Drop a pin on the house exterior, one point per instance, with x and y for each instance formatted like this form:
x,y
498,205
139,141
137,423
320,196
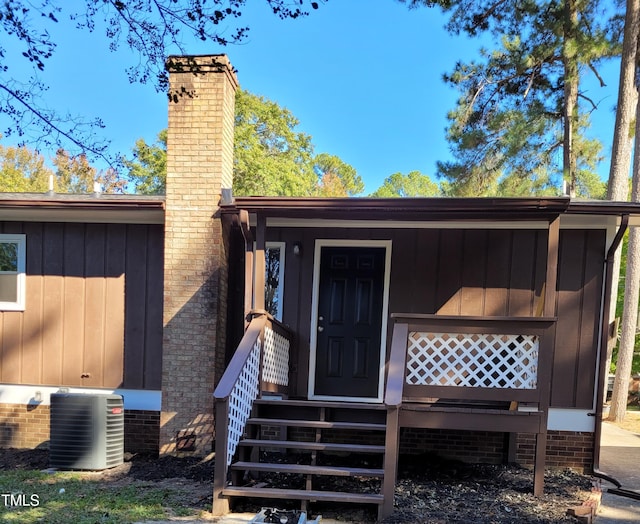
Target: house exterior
x,y
474,328
82,309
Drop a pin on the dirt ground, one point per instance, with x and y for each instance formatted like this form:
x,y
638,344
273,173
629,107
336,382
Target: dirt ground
x,y
430,490
631,422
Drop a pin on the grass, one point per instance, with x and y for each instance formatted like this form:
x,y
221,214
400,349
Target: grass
x,y
62,498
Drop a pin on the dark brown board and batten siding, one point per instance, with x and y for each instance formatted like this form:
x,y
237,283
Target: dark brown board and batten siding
x,y
93,307
486,272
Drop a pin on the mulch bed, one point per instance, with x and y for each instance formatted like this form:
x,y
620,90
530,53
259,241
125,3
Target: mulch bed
x,y
429,490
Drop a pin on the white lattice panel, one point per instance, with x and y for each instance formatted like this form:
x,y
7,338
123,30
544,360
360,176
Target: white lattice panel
x,y
241,399
275,366
472,360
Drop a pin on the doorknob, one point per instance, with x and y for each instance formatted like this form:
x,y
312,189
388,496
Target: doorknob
x,y
320,328
320,319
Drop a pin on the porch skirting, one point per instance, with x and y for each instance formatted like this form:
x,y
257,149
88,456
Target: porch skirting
x,y
26,426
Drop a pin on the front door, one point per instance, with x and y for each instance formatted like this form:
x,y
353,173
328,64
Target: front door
x,y
349,322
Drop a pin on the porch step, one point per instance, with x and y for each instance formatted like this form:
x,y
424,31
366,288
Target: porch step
x,y
333,433
311,446
306,469
320,424
298,494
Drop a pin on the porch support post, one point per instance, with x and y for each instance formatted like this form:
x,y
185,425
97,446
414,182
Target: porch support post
x,y
248,265
392,448
260,264
220,503
544,372
552,268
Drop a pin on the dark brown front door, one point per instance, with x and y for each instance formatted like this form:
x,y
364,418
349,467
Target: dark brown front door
x,y
350,303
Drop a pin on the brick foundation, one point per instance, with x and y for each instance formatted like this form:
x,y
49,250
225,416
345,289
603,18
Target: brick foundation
x,y
565,449
27,427
141,431
24,426
468,446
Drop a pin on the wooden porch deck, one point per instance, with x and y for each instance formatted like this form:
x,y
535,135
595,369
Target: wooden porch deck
x,y
441,372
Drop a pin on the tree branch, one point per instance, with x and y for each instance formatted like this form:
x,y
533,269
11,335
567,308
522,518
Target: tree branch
x,y
48,123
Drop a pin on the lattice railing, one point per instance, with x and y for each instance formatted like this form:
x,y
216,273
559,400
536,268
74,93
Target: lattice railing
x,y
472,360
261,362
275,366
244,392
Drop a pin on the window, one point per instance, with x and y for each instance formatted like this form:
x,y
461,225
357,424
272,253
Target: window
x,y
12,278
273,277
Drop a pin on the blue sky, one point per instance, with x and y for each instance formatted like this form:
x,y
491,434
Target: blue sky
x,y
363,78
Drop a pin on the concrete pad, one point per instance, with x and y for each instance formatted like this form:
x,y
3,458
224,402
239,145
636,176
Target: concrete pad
x,y
620,458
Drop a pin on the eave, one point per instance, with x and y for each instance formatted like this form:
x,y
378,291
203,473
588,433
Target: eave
x,y
94,208
411,209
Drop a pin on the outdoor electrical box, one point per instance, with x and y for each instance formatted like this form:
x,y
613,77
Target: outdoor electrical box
x,y
86,431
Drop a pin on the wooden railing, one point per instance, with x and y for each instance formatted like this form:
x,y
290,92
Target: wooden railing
x,y
260,363
472,358
472,373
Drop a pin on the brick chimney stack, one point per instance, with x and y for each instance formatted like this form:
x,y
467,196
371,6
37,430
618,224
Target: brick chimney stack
x,y
199,165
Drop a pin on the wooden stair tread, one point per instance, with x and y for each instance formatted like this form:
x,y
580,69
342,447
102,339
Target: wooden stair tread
x,y
321,424
321,404
336,471
314,446
434,408
299,494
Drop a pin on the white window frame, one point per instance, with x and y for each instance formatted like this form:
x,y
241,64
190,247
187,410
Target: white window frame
x,y
21,241
280,291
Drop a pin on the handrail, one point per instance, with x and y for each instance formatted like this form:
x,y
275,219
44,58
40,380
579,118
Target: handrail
x,y
222,399
234,369
263,312
260,363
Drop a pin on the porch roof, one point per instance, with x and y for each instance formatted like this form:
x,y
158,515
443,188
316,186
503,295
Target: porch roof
x,y
421,209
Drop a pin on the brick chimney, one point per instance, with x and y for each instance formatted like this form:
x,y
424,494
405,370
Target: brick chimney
x,y
199,165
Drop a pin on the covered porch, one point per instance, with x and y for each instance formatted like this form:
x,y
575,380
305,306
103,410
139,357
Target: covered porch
x,y
415,313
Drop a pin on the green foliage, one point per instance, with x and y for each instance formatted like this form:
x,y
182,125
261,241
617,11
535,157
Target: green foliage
x,y
22,170
148,168
413,184
74,174
151,29
271,156
336,178
635,366
508,121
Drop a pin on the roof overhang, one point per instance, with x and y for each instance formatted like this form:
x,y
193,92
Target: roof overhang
x,y
95,208
435,209
404,209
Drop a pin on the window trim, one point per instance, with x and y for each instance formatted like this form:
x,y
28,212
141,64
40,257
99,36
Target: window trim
x,y
21,241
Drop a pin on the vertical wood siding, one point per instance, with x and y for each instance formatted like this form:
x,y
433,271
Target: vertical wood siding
x,y
93,307
473,272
